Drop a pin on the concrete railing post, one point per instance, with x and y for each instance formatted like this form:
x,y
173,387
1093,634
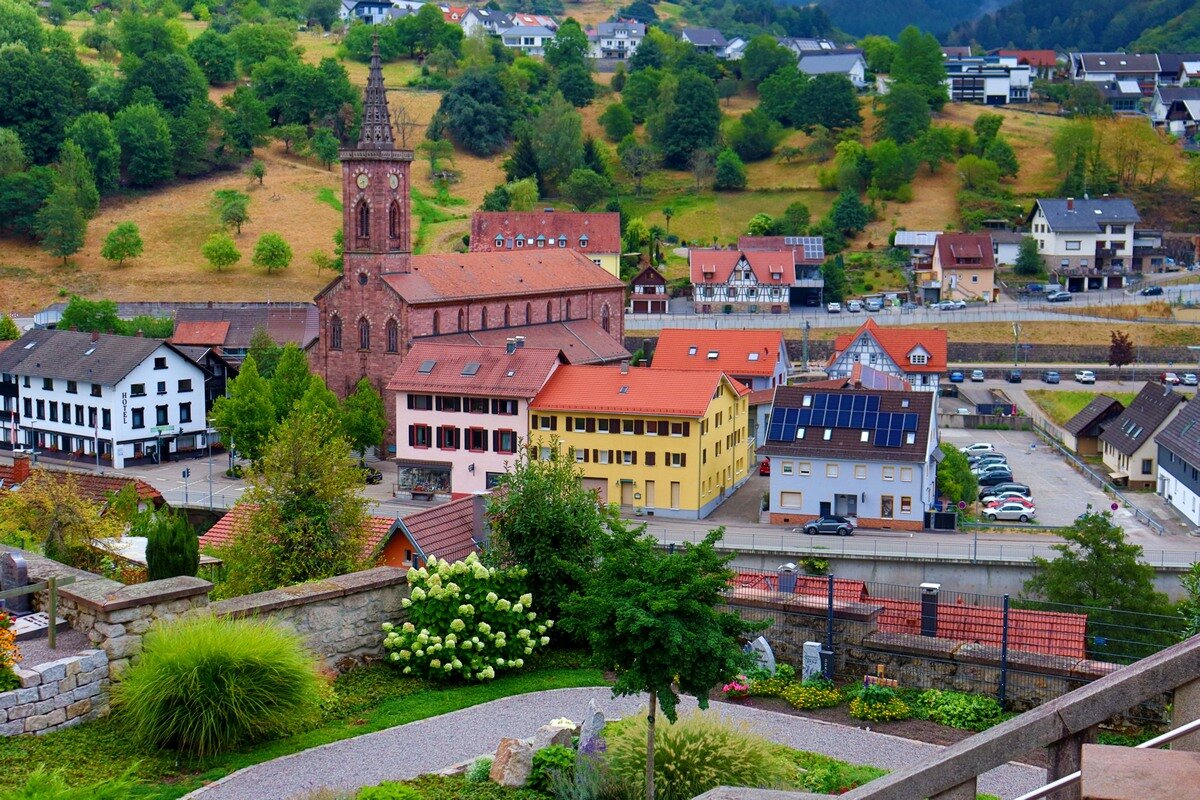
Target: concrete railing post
x,y
1066,756
1184,709
964,791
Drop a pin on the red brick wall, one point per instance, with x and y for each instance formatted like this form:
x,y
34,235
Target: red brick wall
x,y
872,523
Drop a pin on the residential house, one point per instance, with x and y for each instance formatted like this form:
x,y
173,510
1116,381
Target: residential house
x,y
657,441
229,327
453,15
1042,63
808,255
988,80
531,40
595,234
1176,69
1082,431
918,355
863,453
98,489
735,50
1165,97
534,20
964,266
1085,243
648,293
706,40
369,11
1183,119
126,397
750,281
1006,246
615,40
758,359
1141,68
955,51
493,23
462,412
919,247
1123,97
1188,71
1129,450
1179,462
450,531
804,45
850,64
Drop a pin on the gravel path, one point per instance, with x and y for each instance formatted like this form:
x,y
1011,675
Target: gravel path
x,y
430,745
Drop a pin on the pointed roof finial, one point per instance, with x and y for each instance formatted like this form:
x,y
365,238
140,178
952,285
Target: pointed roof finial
x,y
376,121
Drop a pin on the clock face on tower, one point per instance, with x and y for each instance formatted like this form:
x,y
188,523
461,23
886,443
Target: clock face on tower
x,y
363,180
393,180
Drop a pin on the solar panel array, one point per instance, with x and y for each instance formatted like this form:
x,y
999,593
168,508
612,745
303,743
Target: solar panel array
x,y
852,412
813,246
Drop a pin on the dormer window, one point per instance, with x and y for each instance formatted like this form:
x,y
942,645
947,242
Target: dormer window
x,y
583,240
919,359
520,241
562,240
499,241
541,241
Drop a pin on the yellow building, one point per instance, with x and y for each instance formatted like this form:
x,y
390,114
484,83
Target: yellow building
x,y
672,443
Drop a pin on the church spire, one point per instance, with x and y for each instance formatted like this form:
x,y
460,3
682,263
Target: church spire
x,y
376,121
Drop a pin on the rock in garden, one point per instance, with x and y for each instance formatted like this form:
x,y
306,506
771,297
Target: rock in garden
x,y
554,733
512,764
591,733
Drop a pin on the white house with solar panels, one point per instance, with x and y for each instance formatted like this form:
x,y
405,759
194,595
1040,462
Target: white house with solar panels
x,y
843,448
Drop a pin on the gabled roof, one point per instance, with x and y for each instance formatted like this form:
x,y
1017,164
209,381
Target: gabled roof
x,y
200,333
899,342
1137,423
377,529
637,391
1051,632
738,353
809,250
443,277
92,487
1169,94
447,531
829,63
704,37
956,51
75,355
297,323
965,251
863,376
474,370
1086,215
1101,409
529,30
1034,58
1171,63
1117,63
716,266
1182,436
601,229
634,29
521,18
649,276
581,341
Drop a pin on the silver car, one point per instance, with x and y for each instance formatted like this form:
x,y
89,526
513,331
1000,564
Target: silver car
x,y
1011,511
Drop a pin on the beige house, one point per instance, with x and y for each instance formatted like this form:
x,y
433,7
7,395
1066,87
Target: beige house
x,y
964,266
1128,442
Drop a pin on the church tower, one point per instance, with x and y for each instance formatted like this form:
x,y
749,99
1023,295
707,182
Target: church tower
x,y
377,219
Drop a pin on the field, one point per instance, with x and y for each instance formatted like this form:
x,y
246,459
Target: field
x,y
1156,309
1060,406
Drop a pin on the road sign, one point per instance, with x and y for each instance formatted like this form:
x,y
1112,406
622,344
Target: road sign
x,y
1114,506
187,473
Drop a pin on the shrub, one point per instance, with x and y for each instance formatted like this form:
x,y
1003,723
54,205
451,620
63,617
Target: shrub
x,y
879,704
970,712
816,693
696,753
42,784
548,761
388,790
462,622
481,769
9,655
204,685
825,775
172,547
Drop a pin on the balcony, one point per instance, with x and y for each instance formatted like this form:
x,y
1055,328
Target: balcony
x,y
809,279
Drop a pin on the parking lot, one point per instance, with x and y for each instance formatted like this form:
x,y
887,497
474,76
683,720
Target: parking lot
x,y
1059,492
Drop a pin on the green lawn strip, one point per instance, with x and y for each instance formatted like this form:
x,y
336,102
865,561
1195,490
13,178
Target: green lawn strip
x,y
326,195
428,213
99,750
1060,406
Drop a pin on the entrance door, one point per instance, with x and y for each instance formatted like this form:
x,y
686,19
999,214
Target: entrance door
x,y
598,485
626,494
674,494
649,494
826,509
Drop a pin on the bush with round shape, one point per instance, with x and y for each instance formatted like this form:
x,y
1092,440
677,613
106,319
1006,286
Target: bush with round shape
x,y
697,753
970,712
817,693
480,770
205,685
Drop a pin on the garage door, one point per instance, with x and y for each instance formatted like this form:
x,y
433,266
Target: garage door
x,y
598,485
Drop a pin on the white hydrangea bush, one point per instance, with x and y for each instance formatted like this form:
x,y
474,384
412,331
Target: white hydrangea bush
x,y
465,620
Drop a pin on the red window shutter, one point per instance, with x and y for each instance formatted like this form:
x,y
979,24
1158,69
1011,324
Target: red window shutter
x,y
639,427
585,455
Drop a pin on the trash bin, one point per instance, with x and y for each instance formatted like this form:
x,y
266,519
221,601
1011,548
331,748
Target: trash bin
x,y
827,663
787,578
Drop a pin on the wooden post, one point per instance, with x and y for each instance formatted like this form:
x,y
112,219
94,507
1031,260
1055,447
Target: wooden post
x,y
52,611
1066,756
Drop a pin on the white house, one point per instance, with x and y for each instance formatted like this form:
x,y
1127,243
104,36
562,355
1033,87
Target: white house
x,y
706,40
1088,242
531,40
615,40
916,355
851,64
988,80
1179,462
491,22
1165,96
754,281
129,397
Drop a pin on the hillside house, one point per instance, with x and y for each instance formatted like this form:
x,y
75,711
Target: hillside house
x,y
1128,444
648,293
849,64
1085,243
917,355
964,266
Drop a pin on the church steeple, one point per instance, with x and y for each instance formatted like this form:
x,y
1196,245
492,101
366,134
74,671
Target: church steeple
x,y
376,121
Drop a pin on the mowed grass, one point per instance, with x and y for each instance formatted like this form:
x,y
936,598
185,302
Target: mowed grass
x,y
705,216
1061,406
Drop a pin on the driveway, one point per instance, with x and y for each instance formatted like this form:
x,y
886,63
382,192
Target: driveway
x,y
745,503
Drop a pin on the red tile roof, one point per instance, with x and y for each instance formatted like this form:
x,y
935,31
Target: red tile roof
x,y
1050,632
96,488
446,531
715,266
843,588
899,342
496,373
225,529
749,352
1034,58
602,229
964,251
197,333
581,341
440,277
453,14
763,397
656,392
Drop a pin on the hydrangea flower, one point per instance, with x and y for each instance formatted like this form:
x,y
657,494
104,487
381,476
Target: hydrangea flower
x,y
466,610
484,627
545,640
524,633
435,664
387,627
526,599
408,670
418,594
409,627
531,616
517,607
457,624
394,656
405,603
492,597
503,605
549,623
520,662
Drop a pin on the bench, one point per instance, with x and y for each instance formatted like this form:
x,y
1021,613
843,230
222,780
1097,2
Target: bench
x,y
421,494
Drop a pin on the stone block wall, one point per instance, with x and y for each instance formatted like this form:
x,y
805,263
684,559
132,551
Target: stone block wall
x,y
56,695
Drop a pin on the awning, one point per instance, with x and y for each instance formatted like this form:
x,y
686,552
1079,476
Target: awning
x,y
434,465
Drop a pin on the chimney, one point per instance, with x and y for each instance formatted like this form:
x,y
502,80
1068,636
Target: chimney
x,y
520,340
510,345
20,468
625,366
210,303
75,327
929,608
95,336
1070,204
140,333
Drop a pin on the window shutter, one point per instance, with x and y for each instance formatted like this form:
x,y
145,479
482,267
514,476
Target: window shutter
x,y
437,403
683,457
595,455
409,398
614,426
687,428
591,424
412,435
585,456
664,428
639,427
634,454
554,423
495,406
569,426
496,441
649,458
611,460
533,424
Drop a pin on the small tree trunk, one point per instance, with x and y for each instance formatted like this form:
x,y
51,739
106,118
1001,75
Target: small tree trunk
x,y
650,746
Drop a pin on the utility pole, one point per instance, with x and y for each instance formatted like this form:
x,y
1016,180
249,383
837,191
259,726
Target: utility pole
x,y
804,353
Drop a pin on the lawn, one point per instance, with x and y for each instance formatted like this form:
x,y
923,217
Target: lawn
x,y
1060,406
367,699
707,217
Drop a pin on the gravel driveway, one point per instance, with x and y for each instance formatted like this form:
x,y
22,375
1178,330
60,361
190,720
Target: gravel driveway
x,y
430,745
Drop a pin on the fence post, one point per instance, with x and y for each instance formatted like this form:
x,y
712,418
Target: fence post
x,y
1004,658
829,632
52,585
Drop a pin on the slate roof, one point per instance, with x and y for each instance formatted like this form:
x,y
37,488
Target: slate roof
x,y
225,530
639,391
746,352
496,373
96,488
1089,214
1169,94
704,37
829,63
73,355
899,342
635,29
965,251
581,341
603,230
1172,62
1137,423
1119,62
442,277
716,266
297,323
200,333
846,442
1101,409
529,30
446,531
1182,435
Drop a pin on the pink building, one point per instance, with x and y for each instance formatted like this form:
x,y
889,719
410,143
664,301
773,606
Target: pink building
x,y
463,410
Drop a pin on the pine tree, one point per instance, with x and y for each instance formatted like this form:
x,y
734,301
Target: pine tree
x,y
523,163
8,329
172,547
75,172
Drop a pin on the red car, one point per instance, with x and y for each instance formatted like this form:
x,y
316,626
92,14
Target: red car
x,y
765,467
1025,501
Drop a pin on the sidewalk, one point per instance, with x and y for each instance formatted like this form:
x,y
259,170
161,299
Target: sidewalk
x,y
430,745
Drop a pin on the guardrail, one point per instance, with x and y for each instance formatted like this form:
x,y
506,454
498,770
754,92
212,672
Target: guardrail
x,y
52,584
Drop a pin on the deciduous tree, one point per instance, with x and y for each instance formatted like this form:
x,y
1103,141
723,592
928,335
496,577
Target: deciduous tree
x,y
1120,350
585,188
690,119
244,118
146,148
214,54
905,114
617,122
272,252
8,329
763,56
290,377
75,173
324,146
730,172
754,136
849,214
833,272
12,153
61,223
364,418
220,251
245,416
122,243
93,133
637,159
232,207
955,481
1029,262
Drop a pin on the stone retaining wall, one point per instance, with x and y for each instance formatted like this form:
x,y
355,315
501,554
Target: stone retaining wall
x,y
56,695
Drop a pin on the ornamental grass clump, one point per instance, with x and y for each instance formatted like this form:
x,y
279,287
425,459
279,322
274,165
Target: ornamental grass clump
x,y
205,685
465,620
694,754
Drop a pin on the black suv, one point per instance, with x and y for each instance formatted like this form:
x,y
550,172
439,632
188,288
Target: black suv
x,y
1014,376
842,526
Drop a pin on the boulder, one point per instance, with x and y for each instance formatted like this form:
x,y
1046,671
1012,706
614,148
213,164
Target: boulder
x,y
554,733
591,732
512,764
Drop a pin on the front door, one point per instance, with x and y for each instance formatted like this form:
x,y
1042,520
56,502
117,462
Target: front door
x,y
674,494
826,509
626,494
649,494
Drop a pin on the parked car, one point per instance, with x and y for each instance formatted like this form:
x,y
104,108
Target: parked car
x,y
978,447
1006,497
1002,488
995,478
1036,288
372,476
1050,376
1014,376
1085,376
950,305
842,526
1058,297
1150,291
977,376
854,306
834,308
764,467
987,458
1005,501
957,377
989,469
1190,379
1011,511
1170,378
873,304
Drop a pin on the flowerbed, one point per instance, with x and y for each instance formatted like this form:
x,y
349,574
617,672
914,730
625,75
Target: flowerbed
x,y
10,656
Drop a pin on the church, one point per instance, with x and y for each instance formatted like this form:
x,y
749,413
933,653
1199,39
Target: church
x,y
387,298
